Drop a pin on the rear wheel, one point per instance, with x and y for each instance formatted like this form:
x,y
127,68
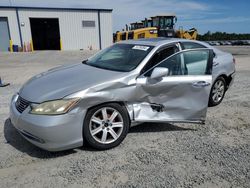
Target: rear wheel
x,y
106,126
218,91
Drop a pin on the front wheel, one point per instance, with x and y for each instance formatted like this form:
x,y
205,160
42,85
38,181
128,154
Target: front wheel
x,y
218,91
106,126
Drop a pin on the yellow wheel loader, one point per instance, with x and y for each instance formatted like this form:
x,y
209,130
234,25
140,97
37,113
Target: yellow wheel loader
x,y
156,26
189,34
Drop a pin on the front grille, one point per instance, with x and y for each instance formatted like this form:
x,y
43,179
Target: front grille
x,y
21,104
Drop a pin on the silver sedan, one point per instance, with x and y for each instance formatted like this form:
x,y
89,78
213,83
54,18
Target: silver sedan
x,y
96,101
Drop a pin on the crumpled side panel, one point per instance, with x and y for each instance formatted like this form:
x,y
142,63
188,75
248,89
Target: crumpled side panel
x,y
171,99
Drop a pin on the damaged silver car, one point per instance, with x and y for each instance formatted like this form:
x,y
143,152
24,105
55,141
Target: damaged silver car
x,y
96,101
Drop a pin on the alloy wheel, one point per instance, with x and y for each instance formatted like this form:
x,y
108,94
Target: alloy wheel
x,y
218,91
106,125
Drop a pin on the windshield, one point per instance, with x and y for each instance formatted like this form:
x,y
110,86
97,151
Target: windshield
x,y
163,22
120,57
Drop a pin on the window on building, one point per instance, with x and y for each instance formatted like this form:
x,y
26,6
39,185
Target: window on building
x,y
88,23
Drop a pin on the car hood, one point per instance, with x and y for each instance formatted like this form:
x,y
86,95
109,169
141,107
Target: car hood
x,y
62,81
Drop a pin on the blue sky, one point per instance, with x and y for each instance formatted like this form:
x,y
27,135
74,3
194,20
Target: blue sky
x,y
213,15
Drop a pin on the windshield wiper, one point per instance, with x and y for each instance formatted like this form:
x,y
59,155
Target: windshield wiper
x,y
105,68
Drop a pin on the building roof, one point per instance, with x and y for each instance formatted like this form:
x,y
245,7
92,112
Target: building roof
x,y
55,8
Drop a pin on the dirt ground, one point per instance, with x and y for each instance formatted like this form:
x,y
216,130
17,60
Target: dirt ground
x,y
216,154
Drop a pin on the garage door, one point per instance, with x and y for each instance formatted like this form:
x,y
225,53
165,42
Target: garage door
x,y
4,34
45,33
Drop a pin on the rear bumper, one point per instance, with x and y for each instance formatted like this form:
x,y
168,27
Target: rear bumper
x,y
52,133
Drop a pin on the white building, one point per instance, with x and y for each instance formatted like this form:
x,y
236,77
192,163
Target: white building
x,y
55,28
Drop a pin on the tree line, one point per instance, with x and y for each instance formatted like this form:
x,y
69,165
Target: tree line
x,y
222,36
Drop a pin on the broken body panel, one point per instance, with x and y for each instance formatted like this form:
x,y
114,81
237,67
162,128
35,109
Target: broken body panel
x,y
176,98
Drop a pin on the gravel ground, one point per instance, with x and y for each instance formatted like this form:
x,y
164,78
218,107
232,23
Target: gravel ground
x,y
216,154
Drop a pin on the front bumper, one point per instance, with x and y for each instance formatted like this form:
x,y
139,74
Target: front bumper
x,y
52,133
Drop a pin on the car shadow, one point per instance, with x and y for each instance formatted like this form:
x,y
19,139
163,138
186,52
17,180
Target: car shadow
x,y
157,127
14,139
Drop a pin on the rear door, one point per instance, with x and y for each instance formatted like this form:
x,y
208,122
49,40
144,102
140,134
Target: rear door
x,y
182,95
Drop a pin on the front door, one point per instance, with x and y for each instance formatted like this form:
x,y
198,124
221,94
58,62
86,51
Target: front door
x,y
180,96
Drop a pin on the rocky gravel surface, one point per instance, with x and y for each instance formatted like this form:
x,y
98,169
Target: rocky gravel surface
x,y
216,154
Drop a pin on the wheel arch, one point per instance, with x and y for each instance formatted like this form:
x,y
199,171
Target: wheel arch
x,y
122,103
227,79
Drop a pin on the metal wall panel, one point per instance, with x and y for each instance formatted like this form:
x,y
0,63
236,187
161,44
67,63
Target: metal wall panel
x,y
12,22
106,29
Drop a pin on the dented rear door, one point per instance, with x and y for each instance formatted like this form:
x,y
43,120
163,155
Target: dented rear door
x,y
181,96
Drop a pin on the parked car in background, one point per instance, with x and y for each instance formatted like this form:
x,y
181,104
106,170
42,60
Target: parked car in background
x,y
222,43
246,42
217,44
212,43
238,43
228,43
135,81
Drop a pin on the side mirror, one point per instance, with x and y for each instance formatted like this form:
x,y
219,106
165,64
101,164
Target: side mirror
x,y
84,61
159,72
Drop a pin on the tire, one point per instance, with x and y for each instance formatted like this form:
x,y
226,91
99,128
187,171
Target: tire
x,y
106,126
217,92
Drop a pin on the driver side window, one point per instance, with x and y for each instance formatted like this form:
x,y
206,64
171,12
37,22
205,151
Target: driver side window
x,y
193,62
159,56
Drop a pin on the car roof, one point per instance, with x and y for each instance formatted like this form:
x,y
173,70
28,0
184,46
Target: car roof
x,y
157,41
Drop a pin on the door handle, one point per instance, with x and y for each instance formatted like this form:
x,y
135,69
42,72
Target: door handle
x,y
200,84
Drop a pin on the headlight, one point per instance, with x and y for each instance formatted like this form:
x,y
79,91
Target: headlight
x,y
55,107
